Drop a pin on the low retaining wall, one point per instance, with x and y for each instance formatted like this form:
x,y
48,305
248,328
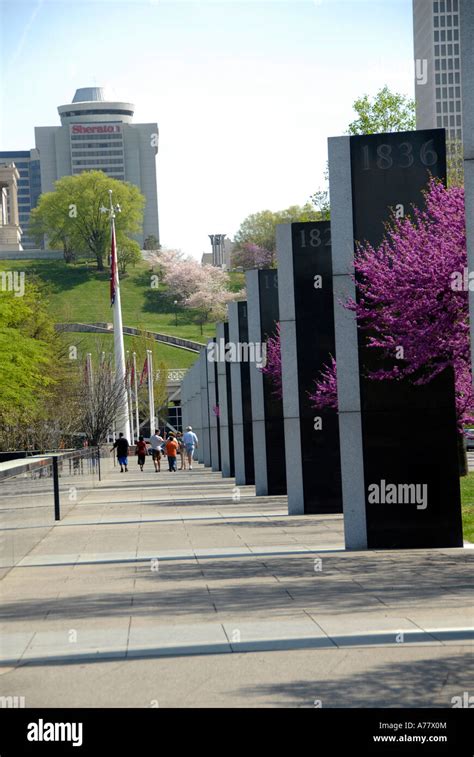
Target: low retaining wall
x,y
107,328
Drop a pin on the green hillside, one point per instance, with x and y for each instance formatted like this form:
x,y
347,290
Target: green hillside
x,y
79,293
97,343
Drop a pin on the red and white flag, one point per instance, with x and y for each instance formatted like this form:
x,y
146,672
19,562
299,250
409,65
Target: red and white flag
x,y
144,373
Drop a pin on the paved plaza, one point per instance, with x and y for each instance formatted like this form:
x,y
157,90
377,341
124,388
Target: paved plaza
x,y
180,590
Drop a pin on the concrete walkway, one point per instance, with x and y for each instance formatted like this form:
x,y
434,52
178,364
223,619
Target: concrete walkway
x,y
182,590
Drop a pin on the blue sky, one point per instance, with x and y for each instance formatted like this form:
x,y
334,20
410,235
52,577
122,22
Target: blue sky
x,y
245,93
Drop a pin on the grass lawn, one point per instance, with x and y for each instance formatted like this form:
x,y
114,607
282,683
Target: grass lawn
x,y
467,500
97,343
80,293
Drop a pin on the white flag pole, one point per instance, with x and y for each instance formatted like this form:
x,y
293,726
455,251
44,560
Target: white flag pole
x,y
135,382
151,399
122,415
130,400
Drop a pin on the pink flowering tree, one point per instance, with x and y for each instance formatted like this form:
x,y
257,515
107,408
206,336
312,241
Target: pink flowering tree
x,y
272,366
183,276
212,295
413,302
202,289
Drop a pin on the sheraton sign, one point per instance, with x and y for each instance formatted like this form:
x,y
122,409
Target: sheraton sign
x,y
97,129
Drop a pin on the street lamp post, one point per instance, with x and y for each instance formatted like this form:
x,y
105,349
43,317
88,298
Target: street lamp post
x,y
176,312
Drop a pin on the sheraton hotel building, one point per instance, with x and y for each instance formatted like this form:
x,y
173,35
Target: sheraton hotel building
x,y
96,133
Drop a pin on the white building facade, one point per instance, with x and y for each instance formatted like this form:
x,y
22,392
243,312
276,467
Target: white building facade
x,y
98,134
436,34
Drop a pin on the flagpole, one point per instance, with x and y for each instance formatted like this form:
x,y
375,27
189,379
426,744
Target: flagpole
x,y
135,382
151,398
129,395
122,414
90,384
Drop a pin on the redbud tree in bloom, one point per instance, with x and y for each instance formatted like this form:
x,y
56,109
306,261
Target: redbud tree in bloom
x,y
411,295
272,366
252,256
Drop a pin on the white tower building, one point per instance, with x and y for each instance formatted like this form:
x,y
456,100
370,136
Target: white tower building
x,y
98,133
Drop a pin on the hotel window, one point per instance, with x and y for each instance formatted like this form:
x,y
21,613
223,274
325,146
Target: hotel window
x,y
439,121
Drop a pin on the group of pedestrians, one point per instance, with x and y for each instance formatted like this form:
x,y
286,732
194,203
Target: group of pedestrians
x,y
175,444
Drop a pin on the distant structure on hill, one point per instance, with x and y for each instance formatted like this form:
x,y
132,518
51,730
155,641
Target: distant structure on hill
x,y
221,252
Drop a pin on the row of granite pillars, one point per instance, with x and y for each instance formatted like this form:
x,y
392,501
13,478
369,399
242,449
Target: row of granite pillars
x,y
327,461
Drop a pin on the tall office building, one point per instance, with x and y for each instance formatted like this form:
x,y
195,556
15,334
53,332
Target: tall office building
x,y
436,28
97,133
29,187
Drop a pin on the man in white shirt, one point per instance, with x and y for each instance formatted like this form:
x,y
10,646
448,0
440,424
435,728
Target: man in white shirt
x,y
155,442
190,442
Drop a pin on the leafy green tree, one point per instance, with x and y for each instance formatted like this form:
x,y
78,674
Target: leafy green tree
x,y
51,217
320,198
260,228
128,253
27,347
455,159
386,112
72,214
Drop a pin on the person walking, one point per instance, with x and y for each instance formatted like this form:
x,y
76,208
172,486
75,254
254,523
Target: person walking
x,y
179,439
156,441
121,445
141,451
190,442
171,452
